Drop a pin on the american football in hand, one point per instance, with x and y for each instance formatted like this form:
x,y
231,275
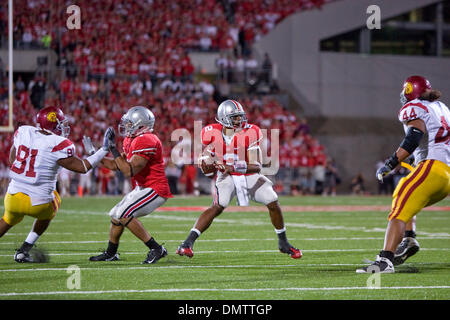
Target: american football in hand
x,y
206,163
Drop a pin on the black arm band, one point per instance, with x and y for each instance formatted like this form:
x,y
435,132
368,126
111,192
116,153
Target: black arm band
x,y
412,139
392,162
115,152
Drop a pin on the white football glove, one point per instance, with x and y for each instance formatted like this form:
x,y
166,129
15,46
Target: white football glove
x,y
88,146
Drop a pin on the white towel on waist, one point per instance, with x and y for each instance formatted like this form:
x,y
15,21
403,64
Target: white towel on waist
x,y
240,182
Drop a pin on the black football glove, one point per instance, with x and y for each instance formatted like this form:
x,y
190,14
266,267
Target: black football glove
x,y
389,165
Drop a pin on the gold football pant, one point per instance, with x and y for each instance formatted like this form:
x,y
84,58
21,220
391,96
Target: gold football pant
x,y
427,184
19,205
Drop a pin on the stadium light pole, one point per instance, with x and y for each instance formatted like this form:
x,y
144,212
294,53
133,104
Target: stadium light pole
x,y
10,127
10,62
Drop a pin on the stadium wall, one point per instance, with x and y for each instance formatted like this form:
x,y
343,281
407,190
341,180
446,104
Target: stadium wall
x,y
27,60
351,100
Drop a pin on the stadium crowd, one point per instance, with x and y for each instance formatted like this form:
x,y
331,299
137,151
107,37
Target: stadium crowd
x,y
137,53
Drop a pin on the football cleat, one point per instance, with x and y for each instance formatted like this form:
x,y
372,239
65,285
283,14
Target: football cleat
x,y
407,248
380,265
105,257
290,250
185,251
33,256
22,256
154,255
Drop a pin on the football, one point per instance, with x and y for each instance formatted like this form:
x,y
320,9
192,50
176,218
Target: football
x,y
206,163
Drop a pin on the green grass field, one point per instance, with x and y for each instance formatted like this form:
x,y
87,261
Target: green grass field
x,y
236,259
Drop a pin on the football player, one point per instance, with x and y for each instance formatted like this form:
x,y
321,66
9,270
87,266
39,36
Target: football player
x,y
236,145
142,160
37,154
427,135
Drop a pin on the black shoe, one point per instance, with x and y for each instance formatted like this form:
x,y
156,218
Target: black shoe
x,y
33,256
22,256
407,248
105,257
286,247
154,255
380,265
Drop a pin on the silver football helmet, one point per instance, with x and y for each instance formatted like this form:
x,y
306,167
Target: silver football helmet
x,y
231,114
136,121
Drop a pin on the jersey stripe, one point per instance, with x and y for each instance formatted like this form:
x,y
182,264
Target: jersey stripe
x,y
142,150
415,105
62,145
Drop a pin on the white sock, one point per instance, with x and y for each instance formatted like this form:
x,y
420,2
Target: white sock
x,y
32,237
278,231
196,231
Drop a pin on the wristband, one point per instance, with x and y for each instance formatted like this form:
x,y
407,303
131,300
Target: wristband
x,y
97,157
115,152
240,166
392,162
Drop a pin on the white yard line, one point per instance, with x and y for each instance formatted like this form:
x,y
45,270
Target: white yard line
x,y
74,292
254,222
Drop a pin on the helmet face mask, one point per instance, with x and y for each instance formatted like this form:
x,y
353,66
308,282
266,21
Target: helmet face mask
x,y
231,115
52,120
63,127
136,121
238,120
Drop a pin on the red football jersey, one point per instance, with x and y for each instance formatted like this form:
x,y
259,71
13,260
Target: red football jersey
x,y
148,146
233,148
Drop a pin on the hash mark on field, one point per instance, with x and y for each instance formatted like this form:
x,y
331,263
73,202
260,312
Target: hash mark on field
x,y
218,289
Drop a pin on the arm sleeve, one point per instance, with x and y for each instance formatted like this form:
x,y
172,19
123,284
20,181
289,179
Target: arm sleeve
x,y
64,149
144,147
412,111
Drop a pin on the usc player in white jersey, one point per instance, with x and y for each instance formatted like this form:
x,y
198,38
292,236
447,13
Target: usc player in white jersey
x,y
235,145
426,123
38,153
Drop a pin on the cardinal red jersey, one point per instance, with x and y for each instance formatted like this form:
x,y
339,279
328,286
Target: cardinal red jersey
x,y
234,148
148,146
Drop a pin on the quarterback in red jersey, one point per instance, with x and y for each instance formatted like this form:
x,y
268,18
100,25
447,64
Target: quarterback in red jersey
x,y
234,146
142,160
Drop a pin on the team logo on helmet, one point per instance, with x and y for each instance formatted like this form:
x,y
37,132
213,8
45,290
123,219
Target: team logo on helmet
x,y
408,88
51,116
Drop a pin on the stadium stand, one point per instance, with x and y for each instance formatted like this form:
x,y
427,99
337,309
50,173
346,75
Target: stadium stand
x,y
137,53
